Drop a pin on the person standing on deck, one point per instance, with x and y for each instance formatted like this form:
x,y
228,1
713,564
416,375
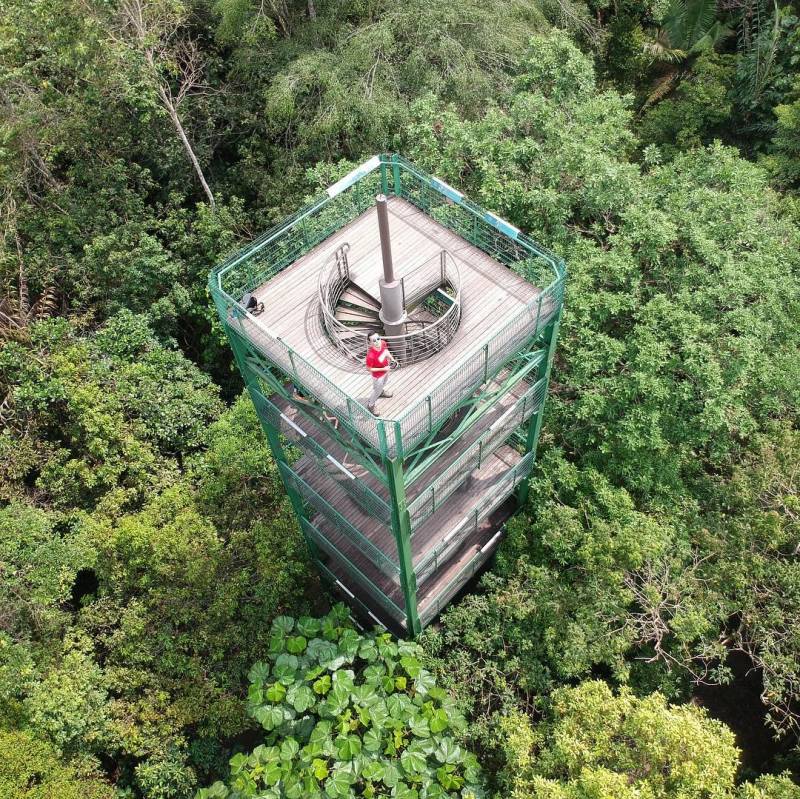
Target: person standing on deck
x,y
378,361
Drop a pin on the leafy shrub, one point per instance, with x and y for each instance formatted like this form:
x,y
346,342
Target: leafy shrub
x,y
348,715
30,769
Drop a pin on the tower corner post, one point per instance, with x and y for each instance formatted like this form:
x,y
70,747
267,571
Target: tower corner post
x,y
535,424
397,185
401,526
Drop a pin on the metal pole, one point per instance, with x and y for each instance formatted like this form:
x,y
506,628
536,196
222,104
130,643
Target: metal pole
x,y
535,424
393,312
386,245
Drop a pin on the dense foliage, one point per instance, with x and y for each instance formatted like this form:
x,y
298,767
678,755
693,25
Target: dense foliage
x,y
146,546
348,715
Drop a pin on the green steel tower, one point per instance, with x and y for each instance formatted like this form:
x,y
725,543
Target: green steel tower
x,y
401,502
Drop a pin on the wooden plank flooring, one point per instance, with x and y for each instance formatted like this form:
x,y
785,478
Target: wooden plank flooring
x,y
429,475
491,295
433,593
433,532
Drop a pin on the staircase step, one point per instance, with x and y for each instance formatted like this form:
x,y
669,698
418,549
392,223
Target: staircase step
x,y
361,317
357,296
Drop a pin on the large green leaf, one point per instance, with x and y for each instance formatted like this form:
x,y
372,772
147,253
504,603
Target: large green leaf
x,y
282,625
339,782
275,692
258,672
424,682
419,726
300,697
269,716
373,770
296,644
373,740
448,778
438,721
403,791
308,626
272,773
414,762
365,695
411,665
448,751
289,748
321,650
399,706
347,746
378,713
391,774
320,768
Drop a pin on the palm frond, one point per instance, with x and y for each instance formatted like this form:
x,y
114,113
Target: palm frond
x,y
662,88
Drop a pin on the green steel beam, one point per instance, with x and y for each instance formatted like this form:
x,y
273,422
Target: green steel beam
x,y
481,405
401,527
273,438
352,442
396,175
535,424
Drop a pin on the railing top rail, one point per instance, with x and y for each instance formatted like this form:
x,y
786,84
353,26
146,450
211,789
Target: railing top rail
x,y
318,205
446,323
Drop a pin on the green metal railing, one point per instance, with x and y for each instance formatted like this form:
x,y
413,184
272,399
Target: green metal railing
x,y
380,595
386,561
451,479
499,491
341,204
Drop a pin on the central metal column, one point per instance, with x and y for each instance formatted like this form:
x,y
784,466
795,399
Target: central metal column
x,y
392,313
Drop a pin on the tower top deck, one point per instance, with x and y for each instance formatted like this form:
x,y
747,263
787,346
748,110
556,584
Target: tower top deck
x,y
509,290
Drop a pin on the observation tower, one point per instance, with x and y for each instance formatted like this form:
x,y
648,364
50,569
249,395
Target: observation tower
x,y
400,507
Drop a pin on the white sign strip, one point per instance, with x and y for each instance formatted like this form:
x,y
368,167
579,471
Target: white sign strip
x,y
447,190
345,589
292,424
351,177
502,225
491,542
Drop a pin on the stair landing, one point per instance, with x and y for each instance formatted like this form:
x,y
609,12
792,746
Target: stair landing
x,y
492,295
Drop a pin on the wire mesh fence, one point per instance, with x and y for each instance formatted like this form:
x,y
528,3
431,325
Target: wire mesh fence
x,y
429,563
300,233
479,452
383,559
337,562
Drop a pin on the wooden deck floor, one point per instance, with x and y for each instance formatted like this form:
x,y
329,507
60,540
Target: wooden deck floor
x,y
430,474
435,531
433,592
491,295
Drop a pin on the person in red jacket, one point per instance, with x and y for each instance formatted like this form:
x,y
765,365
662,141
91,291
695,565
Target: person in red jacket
x,y
378,360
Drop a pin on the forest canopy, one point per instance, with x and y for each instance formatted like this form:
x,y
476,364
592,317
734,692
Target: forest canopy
x,y
638,634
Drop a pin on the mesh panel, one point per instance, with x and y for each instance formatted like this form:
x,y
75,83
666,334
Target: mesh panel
x,y
341,525
435,605
334,469
426,503
498,493
339,567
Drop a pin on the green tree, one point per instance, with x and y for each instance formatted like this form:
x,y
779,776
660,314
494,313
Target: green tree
x,y
31,769
349,715
593,743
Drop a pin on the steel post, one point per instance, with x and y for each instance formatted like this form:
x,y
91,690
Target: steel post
x,y
401,527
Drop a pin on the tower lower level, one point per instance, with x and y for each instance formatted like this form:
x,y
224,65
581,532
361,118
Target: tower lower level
x,y
400,507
